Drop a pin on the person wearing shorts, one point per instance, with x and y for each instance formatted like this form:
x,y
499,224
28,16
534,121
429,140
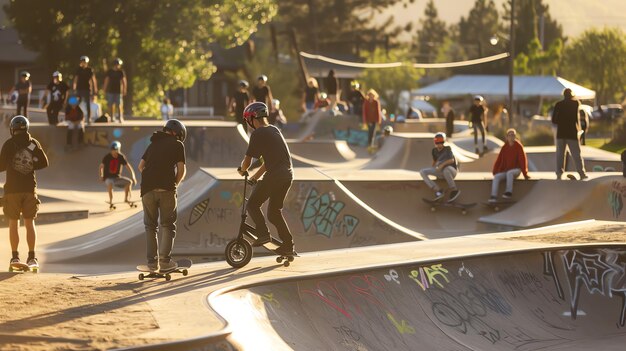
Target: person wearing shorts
x,y
115,88
20,157
111,171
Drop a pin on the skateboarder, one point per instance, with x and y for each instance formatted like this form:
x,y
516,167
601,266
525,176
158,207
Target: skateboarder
x,y
565,116
478,115
267,142
511,162
20,157
111,171
162,169
380,141
444,167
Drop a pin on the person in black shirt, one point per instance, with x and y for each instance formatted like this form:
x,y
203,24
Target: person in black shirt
x,y
239,101
311,95
331,88
262,92
356,99
23,88
444,167
85,84
565,116
57,97
115,88
448,114
267,142
477,114
162,169
20,157
111,171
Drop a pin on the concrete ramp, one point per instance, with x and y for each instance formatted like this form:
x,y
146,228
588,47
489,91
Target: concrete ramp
x,y
554,201
543,159
430,125
330,151
550,299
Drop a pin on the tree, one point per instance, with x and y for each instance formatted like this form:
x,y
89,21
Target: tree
x,y
164,44
431,35
529,15
390,82
337,26
598,58
537,61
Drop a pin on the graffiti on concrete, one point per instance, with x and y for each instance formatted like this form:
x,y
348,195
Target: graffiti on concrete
x,y
322,211
601,271
352,136
616,196
426,276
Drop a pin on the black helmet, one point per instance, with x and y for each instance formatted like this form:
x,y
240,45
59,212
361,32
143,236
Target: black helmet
x,y
177,127
243,83
118,62
19,122
255,110
25,74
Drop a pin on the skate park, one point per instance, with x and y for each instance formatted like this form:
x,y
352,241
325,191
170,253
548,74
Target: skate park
x,y
378,269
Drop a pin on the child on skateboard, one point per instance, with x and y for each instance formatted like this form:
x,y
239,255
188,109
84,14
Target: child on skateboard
x,y
444,167
162,169
511,162
20,157
267,142
111,171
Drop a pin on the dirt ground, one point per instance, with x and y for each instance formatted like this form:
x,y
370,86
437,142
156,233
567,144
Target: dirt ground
x,y
604,233
61,312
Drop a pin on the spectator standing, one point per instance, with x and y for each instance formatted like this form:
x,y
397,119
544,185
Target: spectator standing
x,y
57,97
372,115
23,87
565,116
262,91
85,84
239,101
310,95
448,113
167,109
331,86
114,86
356,98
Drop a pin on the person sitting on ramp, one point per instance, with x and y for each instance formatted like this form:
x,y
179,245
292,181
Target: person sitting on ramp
x,y
111,171
511,162
267,142
444,167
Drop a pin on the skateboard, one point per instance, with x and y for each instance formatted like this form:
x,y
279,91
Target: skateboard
x,y
112,206
23,267
183,265
285,260
434,204
499,204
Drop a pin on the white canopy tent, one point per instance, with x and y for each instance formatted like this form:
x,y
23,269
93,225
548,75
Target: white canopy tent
x,y
497,86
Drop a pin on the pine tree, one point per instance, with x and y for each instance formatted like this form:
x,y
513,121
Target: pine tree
x,y
431,34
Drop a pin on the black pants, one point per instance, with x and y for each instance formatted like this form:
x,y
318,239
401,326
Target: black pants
x,y
449,127
582,138
53,110
478,125
22,104
275,190
371,130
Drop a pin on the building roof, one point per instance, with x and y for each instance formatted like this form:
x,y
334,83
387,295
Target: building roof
x,y
12,49
497,86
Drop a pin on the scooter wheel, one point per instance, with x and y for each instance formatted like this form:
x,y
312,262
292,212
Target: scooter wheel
x,y
141,276
238,253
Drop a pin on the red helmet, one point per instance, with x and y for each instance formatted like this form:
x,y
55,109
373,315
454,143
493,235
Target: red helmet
x,y
440,138
255,110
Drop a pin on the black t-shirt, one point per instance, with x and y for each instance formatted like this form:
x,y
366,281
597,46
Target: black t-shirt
x,y
241,101
23,86
20,157
476,113
331,85
115,81
161,158
58,91
310,93
268,142
356,99
261,94
113,165
84,77
443,155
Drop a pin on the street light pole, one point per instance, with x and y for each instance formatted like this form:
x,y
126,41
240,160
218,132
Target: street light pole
x,y
511,62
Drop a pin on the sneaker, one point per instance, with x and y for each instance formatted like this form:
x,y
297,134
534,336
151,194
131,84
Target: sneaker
x,y
286,250
485,148
15,260
477,151
33,262
153,266
492,200
454,194
438,195
261,240
583,176
165,266
507,195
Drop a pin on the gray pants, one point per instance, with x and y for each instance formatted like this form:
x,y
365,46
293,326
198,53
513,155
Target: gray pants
x,y
159,208
509,175
574,148
448,174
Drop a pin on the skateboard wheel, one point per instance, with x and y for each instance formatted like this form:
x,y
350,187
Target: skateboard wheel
x,y
10,269
290,259
432,209
141,276
279,259
185,272
35,270
168,277
286,263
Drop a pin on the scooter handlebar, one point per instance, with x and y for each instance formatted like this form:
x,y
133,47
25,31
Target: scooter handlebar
x,y
245,174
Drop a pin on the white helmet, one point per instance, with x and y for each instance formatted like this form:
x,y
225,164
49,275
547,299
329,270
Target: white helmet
x,y
57,74
478,98
388,129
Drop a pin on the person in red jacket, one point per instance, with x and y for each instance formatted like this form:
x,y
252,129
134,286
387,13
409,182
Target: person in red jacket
x,y
371,114
511,162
